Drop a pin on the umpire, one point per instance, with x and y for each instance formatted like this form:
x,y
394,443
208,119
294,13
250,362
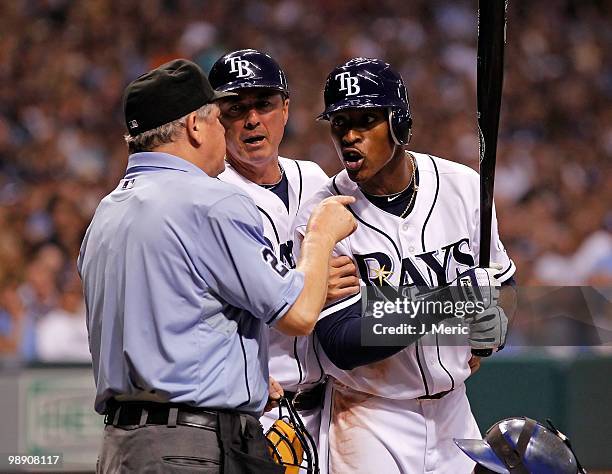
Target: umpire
x,y
180,287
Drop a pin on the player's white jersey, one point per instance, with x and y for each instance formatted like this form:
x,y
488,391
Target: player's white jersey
x,y
287,354
435,242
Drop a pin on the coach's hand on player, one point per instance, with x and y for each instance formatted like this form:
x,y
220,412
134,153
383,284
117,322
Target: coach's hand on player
x,y
343,279
331,219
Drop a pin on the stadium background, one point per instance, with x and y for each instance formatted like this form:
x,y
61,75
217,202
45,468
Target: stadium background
x,y
64,64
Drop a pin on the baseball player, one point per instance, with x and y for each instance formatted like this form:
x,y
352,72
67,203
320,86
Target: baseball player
x,y
255,120
397,409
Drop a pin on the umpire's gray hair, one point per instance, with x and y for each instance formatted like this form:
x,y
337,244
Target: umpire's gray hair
x,y
166,133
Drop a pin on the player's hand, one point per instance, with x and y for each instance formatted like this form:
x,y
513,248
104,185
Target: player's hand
x,y
342,280
331,219
488,329
275,392
474,364
480,285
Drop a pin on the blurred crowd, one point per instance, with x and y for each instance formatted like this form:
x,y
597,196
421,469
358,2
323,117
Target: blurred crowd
x,y
64,64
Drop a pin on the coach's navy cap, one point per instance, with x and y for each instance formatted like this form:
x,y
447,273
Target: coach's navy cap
x,y
167,93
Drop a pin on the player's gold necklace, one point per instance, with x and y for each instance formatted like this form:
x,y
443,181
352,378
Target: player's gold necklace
x,y
390,197
415,188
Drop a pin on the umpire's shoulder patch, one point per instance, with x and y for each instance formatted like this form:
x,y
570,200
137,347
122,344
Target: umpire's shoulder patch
x,y
272,260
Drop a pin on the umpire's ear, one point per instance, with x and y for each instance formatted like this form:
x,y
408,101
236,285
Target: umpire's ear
x,y
194,128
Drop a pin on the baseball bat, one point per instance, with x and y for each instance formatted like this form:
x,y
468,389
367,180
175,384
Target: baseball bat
x,y
489,82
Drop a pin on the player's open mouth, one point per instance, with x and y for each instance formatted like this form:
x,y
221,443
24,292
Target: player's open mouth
x,y
352,158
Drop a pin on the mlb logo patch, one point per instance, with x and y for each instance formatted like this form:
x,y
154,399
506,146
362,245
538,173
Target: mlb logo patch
x,y
127,183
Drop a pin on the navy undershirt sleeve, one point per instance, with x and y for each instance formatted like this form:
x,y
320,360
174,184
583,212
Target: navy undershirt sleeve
x,y
340,335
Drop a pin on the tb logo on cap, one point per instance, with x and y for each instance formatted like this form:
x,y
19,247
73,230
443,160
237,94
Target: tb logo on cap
x,y
240,66
348,83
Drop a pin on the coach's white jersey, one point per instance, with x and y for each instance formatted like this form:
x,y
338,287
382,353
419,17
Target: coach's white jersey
x,y
287,354
435,242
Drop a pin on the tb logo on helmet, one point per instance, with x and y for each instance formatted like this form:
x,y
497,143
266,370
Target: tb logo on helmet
x,y
348,83
240,66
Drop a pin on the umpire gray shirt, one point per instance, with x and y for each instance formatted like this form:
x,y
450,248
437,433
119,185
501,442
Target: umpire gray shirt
x,y
179,286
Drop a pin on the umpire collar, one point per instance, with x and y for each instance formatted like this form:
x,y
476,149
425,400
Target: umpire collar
x,y
161,160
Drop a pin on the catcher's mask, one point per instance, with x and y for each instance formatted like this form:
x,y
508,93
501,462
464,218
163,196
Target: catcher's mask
x,y
289,442
521,445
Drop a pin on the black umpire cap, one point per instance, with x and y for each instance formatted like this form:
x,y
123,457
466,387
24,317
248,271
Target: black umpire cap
x,y
166,93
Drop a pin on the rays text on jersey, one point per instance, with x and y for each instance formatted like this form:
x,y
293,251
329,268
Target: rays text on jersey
x,y
376,268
